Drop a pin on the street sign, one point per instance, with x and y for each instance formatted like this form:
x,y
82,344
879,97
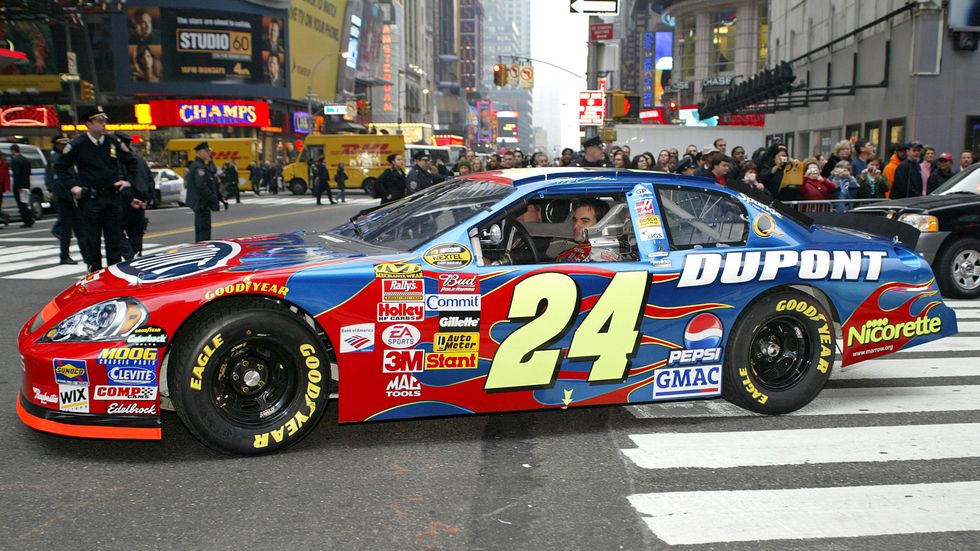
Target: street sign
x,y
72,62
335,109
603,31
594,7
70,77
591,107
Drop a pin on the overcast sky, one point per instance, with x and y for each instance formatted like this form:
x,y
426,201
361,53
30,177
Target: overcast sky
x,y
558,37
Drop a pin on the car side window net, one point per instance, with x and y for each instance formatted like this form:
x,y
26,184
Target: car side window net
x,y
697,219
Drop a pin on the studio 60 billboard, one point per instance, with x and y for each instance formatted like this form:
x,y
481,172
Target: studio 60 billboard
x,y
171,46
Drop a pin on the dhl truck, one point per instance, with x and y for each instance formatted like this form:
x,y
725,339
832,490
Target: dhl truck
x,y
364,157
241,151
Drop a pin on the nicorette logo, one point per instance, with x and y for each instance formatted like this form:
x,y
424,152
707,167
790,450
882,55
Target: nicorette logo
x,y
880,330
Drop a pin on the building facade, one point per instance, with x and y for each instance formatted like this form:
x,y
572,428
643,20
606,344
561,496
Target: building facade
x,y
507,35
919,82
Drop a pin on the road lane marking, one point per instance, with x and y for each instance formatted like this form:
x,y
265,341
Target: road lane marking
x,y
176,231
683,518
58,270
836,401
888,368
723,450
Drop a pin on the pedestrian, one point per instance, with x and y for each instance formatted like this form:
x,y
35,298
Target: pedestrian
x,y
942,172
279,166
231,182
20,170
133,202
99,159
847,186
641,162
567,157
749,183
593,155
620,160
865,150
908,175
269,178
899,153
928,162
391,183
477,165
4,186
219,186
720,164
341,178
738,160
66,203
706,162
772,167
202,191
464,167
815,187
255,176
421,177
872,183
686,166
966,159
321,180
842,152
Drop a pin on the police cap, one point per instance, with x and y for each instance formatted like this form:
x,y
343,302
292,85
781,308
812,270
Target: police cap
x,y
421,156
123,137
93,114
684,164
60,139
202,145
594,141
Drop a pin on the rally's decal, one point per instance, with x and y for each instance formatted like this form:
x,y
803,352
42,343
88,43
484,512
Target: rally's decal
x,y
177,262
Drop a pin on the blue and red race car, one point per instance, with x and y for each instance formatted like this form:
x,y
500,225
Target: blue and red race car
x,y
489,293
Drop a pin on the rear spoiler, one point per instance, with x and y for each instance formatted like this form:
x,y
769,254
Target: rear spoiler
x,y
873,224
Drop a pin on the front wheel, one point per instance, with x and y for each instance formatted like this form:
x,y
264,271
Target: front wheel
x,y
297,186
957,268
249,377
780,354
370,186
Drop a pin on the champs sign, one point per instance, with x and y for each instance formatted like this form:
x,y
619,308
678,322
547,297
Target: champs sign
x,y
210,113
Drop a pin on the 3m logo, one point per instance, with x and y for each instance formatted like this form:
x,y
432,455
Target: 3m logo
x,y
403,361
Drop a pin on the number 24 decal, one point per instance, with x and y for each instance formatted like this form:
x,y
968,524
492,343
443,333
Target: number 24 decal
x,y
609,334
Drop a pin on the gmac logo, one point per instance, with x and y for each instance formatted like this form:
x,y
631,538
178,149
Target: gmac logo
x,y
177,263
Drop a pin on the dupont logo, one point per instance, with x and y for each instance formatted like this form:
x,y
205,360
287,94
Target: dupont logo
x,y
402,290
459,283
402,311
357,338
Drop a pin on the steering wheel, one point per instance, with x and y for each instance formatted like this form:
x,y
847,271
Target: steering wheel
x,y
518,245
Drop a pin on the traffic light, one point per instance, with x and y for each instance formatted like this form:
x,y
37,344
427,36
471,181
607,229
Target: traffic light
x,y
87,90
499,75
617,101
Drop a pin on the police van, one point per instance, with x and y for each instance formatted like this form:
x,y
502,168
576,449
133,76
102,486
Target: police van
x,y
40,196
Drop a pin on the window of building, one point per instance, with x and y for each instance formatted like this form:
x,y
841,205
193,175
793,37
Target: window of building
x,y
853,132
686,45
763,45
895,135
722,49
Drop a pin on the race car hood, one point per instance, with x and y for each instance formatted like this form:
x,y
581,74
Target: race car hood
x,y
269,253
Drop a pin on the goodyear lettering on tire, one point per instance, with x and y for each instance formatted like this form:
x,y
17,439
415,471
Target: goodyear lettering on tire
x,y
197,374
313,377
813,313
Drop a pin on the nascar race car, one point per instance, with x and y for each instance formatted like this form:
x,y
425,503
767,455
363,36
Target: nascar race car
x,y
490,293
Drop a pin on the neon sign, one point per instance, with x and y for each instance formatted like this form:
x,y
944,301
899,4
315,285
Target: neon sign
x,y
28,115
210,113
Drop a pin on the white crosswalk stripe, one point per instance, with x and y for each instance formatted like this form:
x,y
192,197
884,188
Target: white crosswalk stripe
x,y
41,261
277,201
850,433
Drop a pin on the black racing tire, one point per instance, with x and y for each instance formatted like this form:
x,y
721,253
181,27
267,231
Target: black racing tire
x,y
248,377
957,268
780,354
297,186
370,187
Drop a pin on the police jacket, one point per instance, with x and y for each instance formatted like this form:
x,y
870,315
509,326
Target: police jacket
x,y
202,186
600,163
98,166
140,188
321,176
908,180
419,179
56,185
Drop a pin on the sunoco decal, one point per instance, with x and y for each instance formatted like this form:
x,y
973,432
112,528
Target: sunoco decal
x,y
70,372
177,262
448,256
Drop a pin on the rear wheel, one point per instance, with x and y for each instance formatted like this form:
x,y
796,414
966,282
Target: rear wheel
x,y
370,187
249,377
297,186
957,268
780,354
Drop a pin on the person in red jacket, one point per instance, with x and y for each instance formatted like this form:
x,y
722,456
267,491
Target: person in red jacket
x,y
815,187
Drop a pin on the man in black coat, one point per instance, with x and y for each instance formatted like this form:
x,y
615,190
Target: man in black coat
x,y
202,191
133,202
420,177
593,154
391,183
321,180
20,170
66,202
99,159
908,175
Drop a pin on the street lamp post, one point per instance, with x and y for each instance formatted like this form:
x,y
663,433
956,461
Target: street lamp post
x,y
309,85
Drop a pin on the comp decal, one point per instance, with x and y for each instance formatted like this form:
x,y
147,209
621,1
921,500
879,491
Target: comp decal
x,y
122,393
740,267
177,262
448,256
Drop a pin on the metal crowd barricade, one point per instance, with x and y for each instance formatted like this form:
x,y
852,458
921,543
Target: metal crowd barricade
x,y
831,205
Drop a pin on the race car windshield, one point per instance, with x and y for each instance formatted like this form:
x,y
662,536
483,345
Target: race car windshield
x,y
408,223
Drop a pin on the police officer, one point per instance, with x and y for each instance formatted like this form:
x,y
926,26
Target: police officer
x,y
66,202
202,191
321,180
231,182
420,177
99,159
20,170
593,154
133,201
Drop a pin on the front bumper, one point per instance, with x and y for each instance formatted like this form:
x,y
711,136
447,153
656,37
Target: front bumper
x,y
929,243
88,425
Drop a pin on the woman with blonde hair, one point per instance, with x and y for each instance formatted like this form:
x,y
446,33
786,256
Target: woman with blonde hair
x,y
843,151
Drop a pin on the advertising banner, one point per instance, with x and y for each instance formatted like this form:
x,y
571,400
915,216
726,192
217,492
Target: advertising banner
x,y
28,116
40,71
182,45
314,44
194,112
484,132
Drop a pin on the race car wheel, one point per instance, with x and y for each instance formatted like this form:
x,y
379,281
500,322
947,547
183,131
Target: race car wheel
x,y
248,377
958,268
780,354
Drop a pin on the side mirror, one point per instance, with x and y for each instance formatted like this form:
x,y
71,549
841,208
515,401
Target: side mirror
x,y
492,235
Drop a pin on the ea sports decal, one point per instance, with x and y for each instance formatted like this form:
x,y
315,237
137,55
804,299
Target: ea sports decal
x,y
177,262
448,256
702,341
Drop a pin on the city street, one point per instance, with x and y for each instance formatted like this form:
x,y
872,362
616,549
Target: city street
x,y
886,457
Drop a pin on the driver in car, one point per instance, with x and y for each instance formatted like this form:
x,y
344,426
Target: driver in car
x,y
586,213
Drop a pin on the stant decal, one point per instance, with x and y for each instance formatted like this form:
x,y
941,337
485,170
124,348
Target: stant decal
x,y
448,256
149,336
70,372
177,262
357,338
397,270
764,225
451,360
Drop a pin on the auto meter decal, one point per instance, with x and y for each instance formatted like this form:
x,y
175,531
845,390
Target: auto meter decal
x,y
177,262
448,256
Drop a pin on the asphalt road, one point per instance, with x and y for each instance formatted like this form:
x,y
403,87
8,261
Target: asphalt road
x,y
885,458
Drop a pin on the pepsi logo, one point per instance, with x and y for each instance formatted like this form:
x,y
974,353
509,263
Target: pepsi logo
x,y
704,331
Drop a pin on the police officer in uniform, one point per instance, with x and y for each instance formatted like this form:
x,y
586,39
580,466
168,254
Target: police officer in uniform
x,y
202,191
593,154
321,180
134,201
99,159
66,202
